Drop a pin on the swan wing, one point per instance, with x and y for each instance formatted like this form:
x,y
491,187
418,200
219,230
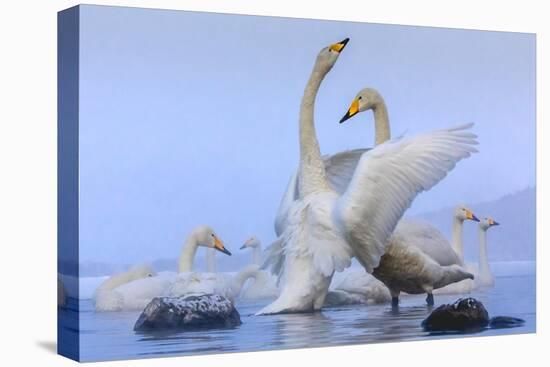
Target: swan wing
x,y
289,197
339,168
387,180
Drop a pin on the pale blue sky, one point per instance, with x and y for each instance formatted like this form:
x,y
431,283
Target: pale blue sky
x,y
190,118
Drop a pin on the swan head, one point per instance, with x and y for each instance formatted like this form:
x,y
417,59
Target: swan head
x,y
487,223
252,242
206,237
328,56
140,271
366,99
463,213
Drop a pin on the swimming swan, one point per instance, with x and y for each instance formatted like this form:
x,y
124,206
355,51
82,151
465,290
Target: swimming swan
x,y
254,243
482,271
109,297
484,277
135,288
263,284
356,286
325,229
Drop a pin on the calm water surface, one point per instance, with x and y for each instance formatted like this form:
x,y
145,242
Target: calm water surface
x,y
111,336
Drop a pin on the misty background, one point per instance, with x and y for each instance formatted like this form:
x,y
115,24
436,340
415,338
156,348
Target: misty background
x,y
192,118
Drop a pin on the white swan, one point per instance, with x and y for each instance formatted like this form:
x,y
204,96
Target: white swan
x,y
484,277
356,287
226,284
202,236
324,228
482,272
255,244
110,297
135,288
263,284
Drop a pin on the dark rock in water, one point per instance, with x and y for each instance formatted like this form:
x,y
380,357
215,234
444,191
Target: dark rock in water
x,y
189,312
502,322
464,314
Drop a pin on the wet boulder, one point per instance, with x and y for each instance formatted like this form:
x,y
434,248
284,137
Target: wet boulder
x,y
464,314
188,312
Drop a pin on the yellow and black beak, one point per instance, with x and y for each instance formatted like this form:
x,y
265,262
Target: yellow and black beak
x,y
352,111
218,245
492,222
339,46
471,216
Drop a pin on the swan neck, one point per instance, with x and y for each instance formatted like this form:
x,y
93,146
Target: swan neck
x,y
257,255
188,254
211,265
483,256
240,278
457,238
312,169
381,123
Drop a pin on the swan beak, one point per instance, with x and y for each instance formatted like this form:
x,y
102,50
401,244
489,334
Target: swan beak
x,y
218,245
338,47
352,111
493,223
471,216
242,247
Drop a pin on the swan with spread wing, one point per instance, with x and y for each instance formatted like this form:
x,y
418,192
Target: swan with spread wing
x,y
324,228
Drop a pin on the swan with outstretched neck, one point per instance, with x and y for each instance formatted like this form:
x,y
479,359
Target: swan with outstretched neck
x,y
324,228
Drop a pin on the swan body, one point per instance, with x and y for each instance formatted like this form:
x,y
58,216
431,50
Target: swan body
x,y
419,258
406,268
357,287
223,284
109,297
324,228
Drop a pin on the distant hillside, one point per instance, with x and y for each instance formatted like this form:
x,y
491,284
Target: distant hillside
x,y
514,239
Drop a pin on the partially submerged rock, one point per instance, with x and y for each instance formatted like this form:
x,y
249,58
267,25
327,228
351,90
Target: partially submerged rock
x,y
188,312
464,314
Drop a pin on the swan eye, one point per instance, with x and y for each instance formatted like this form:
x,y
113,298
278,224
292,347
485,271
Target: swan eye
x,y
359,98
149,275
